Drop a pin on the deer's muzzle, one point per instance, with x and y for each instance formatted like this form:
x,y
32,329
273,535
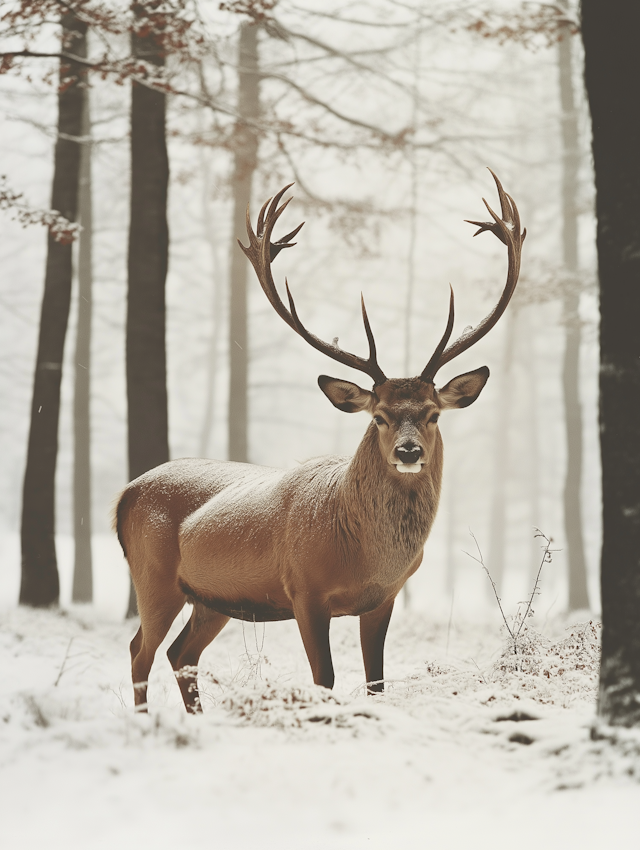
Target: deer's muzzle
x,y
409,457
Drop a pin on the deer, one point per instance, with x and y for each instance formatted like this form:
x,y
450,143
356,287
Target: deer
x,y
331,537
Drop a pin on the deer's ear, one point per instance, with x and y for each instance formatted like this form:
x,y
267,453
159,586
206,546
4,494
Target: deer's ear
x,y
344,395
463,390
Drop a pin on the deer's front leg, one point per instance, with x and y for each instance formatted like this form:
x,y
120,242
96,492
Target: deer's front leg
x,y
373,631
313,621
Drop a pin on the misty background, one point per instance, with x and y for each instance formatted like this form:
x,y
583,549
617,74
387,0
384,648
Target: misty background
x,y
385,219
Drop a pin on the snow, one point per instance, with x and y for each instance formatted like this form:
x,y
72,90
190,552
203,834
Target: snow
x,y
465,748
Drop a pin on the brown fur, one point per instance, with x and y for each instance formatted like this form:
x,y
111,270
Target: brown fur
x,y
331,537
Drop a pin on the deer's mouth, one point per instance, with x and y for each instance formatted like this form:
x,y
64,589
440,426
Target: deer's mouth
x,y
409,467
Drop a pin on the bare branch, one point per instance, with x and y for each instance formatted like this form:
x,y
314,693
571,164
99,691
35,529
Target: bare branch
x,y
62,230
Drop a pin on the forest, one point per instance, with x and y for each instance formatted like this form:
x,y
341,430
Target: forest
x,y
139,141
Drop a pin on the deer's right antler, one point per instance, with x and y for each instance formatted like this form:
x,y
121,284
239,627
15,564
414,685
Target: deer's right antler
x,y
507,229
262,251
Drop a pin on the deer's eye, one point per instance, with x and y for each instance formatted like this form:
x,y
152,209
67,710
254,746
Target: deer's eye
x,y
379,420
435,417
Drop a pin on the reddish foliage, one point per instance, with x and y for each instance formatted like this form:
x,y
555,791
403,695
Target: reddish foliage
x,y
171,23
62,230
530,27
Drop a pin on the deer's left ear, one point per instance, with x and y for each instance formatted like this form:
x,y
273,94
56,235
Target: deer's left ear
x,y
463,390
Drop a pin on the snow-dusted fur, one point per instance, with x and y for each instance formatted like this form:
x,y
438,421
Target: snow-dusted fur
x,y
331,537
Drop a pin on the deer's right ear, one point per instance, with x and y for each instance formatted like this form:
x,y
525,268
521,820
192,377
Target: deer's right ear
x,y
344,395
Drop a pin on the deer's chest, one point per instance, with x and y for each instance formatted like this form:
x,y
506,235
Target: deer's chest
x,y
359,600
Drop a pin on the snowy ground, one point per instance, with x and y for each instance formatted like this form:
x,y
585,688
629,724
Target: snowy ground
x,y
462,751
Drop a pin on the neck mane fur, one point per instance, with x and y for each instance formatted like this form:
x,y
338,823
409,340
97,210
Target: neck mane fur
x,y
389,515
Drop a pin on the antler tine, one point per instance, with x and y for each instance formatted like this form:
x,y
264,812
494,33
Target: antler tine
x,y
506,203
261,252
507,229
368,331
285,242
376,372
260,224
433,365
369,367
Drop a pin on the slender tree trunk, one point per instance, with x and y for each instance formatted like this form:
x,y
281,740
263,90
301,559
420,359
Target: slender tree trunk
x,y
578,594
83,568
245,163
533,424
611,34
411,253
216,312
452,524
497,528
147,269
40,584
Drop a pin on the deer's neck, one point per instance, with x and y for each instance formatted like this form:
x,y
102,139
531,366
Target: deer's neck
x,y
391,514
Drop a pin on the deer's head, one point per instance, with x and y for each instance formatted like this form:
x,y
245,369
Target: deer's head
x,y
405,410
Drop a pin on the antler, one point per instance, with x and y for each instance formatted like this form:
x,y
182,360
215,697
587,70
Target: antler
x,y
261,253
507,229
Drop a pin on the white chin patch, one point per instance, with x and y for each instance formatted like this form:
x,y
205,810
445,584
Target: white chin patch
x,y
409,467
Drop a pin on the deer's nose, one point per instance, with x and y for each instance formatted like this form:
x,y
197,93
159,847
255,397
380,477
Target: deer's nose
x,y
409,452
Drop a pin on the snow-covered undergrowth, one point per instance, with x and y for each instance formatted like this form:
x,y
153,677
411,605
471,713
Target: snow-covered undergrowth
x,y
470,744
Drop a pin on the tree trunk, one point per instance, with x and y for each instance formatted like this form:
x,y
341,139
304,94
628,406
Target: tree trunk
x,y
611,34
411,253
528,329
245,163
452,525
40,584
497,528
578,594
83,568
147,270
216,311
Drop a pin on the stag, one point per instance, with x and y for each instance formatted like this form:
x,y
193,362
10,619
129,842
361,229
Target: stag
x,y
333,537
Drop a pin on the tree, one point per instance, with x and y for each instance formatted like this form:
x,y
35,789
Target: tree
x,y
83,567
498,523
148,425
39,583
245,162
610,34
156,28
578,593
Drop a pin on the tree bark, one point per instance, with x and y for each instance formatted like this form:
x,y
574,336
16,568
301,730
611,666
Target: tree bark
x,y
39,582
83,567
245,163
527,334
611,34
578,593
148,437
497,527
217,311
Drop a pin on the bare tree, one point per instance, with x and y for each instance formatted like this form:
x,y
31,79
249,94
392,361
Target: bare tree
x,y
217,308
245,161
497,527
40,583
148,428
578,593
83,566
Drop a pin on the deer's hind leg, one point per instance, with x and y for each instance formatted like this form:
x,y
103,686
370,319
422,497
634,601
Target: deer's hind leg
x,y
203,626
154,626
